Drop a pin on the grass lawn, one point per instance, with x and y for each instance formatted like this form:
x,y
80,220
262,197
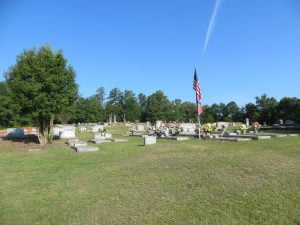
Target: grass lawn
x,y
189,182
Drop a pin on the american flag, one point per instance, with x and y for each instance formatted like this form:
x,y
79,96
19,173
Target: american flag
x,y
196,87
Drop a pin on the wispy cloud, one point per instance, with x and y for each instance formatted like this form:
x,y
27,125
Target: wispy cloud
x,y
211,25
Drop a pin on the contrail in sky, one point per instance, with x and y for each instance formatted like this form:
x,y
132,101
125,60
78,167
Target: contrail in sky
x,y
211,25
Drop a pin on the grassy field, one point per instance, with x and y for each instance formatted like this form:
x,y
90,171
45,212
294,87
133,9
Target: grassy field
x,y
171,182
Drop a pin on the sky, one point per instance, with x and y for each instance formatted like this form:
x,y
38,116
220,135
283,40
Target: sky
x,y
241,49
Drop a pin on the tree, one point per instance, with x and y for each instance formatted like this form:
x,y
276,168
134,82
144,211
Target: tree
x,y
232,112
177,114
158,107
100,95
7,109
251,112
43,85
130,106
267,109
289,109
189,111
142,99
114,103
218,111
88,110
207,116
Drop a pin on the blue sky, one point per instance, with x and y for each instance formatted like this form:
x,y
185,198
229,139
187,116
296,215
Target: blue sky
x,y
153,45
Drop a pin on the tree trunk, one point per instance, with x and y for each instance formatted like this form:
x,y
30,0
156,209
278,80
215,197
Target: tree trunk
x,y
50,128
45,130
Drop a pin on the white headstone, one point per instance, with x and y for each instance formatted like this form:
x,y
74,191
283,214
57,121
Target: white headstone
x,y
247,122
67,133
140,127
97,128
149,140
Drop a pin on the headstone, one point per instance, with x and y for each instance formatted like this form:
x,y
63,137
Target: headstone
x,y
158,123
187,128
83,149
67,132
82,129
34,150
100,141
182,138
233,139
56,130
215,135
140,127
97,128
78,143
71,140
120,140
247,122
261,137
149,140
102,136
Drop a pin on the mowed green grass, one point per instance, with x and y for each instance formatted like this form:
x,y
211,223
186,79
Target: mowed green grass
x,y
190,182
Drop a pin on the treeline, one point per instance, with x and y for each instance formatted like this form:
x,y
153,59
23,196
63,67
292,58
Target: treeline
x,y
127,106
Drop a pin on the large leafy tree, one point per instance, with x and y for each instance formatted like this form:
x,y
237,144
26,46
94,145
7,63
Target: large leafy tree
x,y
158,107
8,111
251,112
267,109
88,110
189,111
100,95
142,100
207,116
177,114
43,85
130,106
289,108
232,112
114,103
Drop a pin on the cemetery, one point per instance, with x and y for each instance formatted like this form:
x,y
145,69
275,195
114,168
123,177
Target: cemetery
x,y
109,170
110,114
144,171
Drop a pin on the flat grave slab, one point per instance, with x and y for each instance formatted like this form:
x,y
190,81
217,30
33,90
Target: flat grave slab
x,y
83,149
100,141
260,137
175,138
34,150
78,143
119,140
71,140
271,134
233,139
293,135
253,136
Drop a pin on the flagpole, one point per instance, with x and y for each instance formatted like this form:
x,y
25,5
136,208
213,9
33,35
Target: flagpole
x,y
199,125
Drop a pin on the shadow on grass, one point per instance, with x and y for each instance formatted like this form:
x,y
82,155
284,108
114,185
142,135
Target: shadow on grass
x,y
26,140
